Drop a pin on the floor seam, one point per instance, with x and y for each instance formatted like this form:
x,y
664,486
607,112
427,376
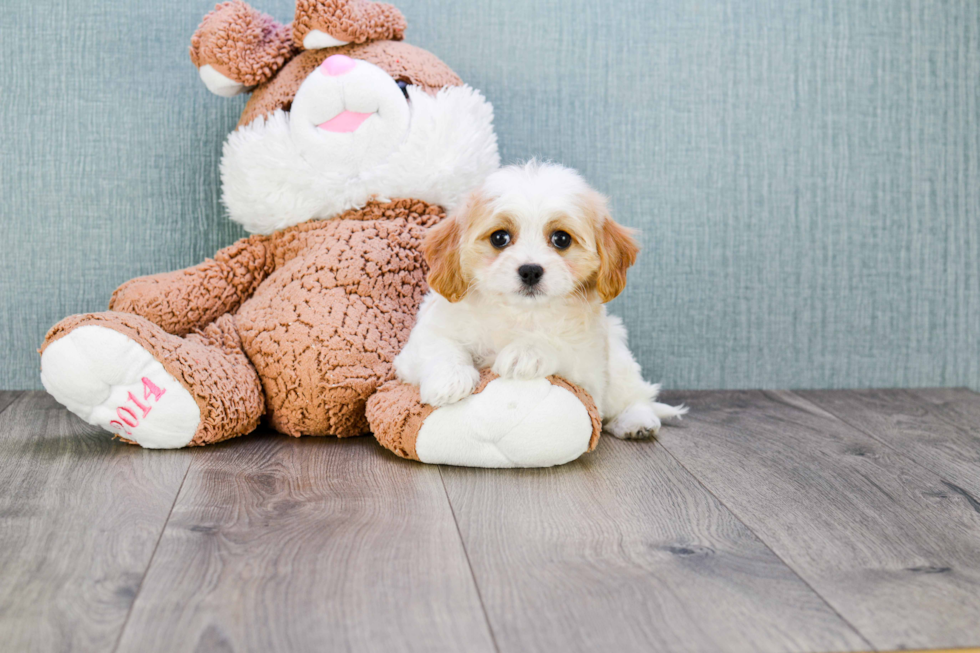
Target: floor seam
x,y
769,548
469,564
153,556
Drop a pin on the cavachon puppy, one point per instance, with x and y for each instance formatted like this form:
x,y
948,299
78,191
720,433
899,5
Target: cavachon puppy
x,y
519,277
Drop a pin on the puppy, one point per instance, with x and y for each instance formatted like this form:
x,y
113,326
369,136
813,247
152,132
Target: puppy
x,y
519,275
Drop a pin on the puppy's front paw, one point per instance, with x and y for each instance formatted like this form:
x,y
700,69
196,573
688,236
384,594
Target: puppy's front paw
x,y
637,421
524,361
449,384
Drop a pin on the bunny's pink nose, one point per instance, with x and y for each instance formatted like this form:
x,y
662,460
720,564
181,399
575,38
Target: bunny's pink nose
x,y
337,65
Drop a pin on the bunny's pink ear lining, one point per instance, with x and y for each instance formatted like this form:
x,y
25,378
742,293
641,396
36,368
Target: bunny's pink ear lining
x,y
237,47
330,23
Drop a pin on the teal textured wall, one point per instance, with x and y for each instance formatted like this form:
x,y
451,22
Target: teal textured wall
x,y
805,173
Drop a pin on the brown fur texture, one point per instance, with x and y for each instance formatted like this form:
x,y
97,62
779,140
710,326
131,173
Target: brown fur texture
x,y
353,21
316,313
184,300
323,329
400,60
242,44
396,413
210,363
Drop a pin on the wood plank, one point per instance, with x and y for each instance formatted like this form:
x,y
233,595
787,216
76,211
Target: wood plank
x,y
937,650
80,515
283,544
938,428
7,397
623,550
877,535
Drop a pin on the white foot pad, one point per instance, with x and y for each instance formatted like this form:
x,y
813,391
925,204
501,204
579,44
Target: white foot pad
x,y
110,381
510,424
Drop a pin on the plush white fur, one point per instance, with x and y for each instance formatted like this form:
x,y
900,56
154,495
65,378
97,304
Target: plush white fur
x,y
558,330
449,148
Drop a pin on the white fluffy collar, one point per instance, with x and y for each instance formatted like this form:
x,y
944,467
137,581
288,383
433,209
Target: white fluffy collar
x,y
449,149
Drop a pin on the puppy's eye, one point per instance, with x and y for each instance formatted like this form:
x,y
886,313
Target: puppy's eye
x,y
500,239
403,85
561,240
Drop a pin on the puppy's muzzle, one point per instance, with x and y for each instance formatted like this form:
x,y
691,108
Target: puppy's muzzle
x,y
530,274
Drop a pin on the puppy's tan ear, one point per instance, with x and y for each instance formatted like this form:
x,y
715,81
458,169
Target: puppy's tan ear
x,y
617,250
441,251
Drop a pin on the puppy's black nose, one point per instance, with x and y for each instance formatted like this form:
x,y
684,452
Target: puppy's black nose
x,y
530,273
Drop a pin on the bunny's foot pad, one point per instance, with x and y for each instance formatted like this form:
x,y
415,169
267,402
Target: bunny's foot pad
x,y
110,381
504,423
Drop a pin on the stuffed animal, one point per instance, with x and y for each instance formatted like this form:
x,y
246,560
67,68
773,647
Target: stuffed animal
x,y
352,144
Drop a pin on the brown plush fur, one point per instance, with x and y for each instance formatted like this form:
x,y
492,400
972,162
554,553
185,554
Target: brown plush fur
x,y
354,21
323,329
184,300
396,415
242,44
315,313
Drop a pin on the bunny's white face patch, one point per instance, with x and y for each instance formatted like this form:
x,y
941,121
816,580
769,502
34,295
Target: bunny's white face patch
x,y
285,169
348,116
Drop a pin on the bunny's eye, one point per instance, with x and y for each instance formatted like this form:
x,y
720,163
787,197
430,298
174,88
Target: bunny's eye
x,y
403,85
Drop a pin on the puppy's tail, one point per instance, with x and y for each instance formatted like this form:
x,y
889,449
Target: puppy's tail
x,y
664,411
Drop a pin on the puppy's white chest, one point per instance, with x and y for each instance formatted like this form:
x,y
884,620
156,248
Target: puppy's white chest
x,y
575,344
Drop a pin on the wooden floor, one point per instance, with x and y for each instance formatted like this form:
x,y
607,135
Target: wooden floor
x,y
766,521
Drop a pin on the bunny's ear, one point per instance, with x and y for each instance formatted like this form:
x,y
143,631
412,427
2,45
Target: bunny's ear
x,y
236,48
329,23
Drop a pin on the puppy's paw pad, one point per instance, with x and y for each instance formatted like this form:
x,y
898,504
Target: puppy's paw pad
x,y
524,362
637,421
448,385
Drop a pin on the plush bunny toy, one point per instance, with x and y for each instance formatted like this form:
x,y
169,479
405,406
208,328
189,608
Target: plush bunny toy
x,y
351,146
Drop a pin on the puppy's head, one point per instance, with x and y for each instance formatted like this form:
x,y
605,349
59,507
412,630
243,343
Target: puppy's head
x,y
531,234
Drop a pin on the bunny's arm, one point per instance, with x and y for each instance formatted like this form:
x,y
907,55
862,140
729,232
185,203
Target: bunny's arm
x,y
192,298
